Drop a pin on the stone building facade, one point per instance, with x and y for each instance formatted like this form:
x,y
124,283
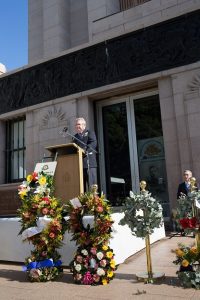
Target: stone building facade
x,y
131,69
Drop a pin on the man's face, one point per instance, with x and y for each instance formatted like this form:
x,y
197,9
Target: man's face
x,y
187,176
80,126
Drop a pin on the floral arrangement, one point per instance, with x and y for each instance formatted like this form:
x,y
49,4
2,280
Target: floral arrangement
x,y
185,211
188,258
93,265
91,226
143,214
188,223
41,224
189,272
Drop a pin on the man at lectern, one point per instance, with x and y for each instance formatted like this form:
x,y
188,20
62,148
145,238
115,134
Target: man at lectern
x,y
86,139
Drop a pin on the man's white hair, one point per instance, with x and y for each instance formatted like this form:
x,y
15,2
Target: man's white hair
x,y
82,120
188,171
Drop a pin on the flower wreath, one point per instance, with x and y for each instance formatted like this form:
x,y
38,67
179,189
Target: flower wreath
x,y
143,214
41,224
91,225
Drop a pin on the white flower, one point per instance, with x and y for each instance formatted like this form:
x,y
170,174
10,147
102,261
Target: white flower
x,y
78,267
84,252
100,272
100,255
131,194
35,273
40,189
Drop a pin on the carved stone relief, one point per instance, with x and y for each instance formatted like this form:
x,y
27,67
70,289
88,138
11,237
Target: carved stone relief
x,y
54,117
194,85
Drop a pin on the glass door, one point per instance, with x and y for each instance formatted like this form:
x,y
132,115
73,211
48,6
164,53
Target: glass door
x,y
131,147
150,148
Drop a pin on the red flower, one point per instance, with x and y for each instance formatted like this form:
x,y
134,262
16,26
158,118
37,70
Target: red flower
x,y
192,222
188,222
35,176
46,199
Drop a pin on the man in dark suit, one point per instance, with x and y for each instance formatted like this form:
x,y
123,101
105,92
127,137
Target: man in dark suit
x,y
184,187
86,139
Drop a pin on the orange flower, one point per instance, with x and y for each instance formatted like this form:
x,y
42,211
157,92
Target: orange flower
x,y
179,252
52,235
185,263
194,250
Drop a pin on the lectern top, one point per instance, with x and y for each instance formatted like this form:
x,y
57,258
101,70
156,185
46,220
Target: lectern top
x,y
70,147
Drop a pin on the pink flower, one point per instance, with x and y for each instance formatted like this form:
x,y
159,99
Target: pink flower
x,y
86,260
96,278
35,273
87,279
99,209
103,263
45,211
79,258
93,250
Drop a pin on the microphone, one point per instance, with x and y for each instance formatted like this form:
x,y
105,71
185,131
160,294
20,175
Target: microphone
x,y
65,129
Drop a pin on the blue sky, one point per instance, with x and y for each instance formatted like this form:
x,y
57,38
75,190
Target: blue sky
x,y
14,33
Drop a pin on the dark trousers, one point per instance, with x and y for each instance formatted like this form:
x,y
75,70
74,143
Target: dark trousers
x,y
89,179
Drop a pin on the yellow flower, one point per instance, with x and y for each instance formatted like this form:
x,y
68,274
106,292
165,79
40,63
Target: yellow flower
x,y
109,254
105,247
36,198
29,178
194,250
42,180
179,252
104,281
108,208
23,193
54,203
110,274
60,237
185,263
112,263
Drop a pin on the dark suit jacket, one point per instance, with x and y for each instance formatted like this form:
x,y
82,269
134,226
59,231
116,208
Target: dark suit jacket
x,y
88,138
182,189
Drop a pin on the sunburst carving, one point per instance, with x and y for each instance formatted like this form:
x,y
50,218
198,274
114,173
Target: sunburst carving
x,y
194,85
55,114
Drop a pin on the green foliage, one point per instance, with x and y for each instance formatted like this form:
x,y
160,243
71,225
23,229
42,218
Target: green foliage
x,y
142,213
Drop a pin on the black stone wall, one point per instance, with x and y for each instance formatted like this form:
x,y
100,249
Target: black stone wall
x,y
156,48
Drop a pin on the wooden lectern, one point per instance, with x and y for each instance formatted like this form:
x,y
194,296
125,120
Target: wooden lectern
x,y
68,178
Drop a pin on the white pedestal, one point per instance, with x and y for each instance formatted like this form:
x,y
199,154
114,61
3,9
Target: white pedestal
x,y
123,243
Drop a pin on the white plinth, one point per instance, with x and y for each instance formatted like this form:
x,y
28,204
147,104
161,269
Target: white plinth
x,y
123,242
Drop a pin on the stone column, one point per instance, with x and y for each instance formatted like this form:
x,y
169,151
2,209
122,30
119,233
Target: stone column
x,y
56,26
2,152
170,136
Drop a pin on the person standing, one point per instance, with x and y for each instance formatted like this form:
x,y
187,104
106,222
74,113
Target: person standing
x,y
86,139
185,186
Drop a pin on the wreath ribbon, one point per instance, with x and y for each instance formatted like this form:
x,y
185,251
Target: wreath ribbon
x,y
47,263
